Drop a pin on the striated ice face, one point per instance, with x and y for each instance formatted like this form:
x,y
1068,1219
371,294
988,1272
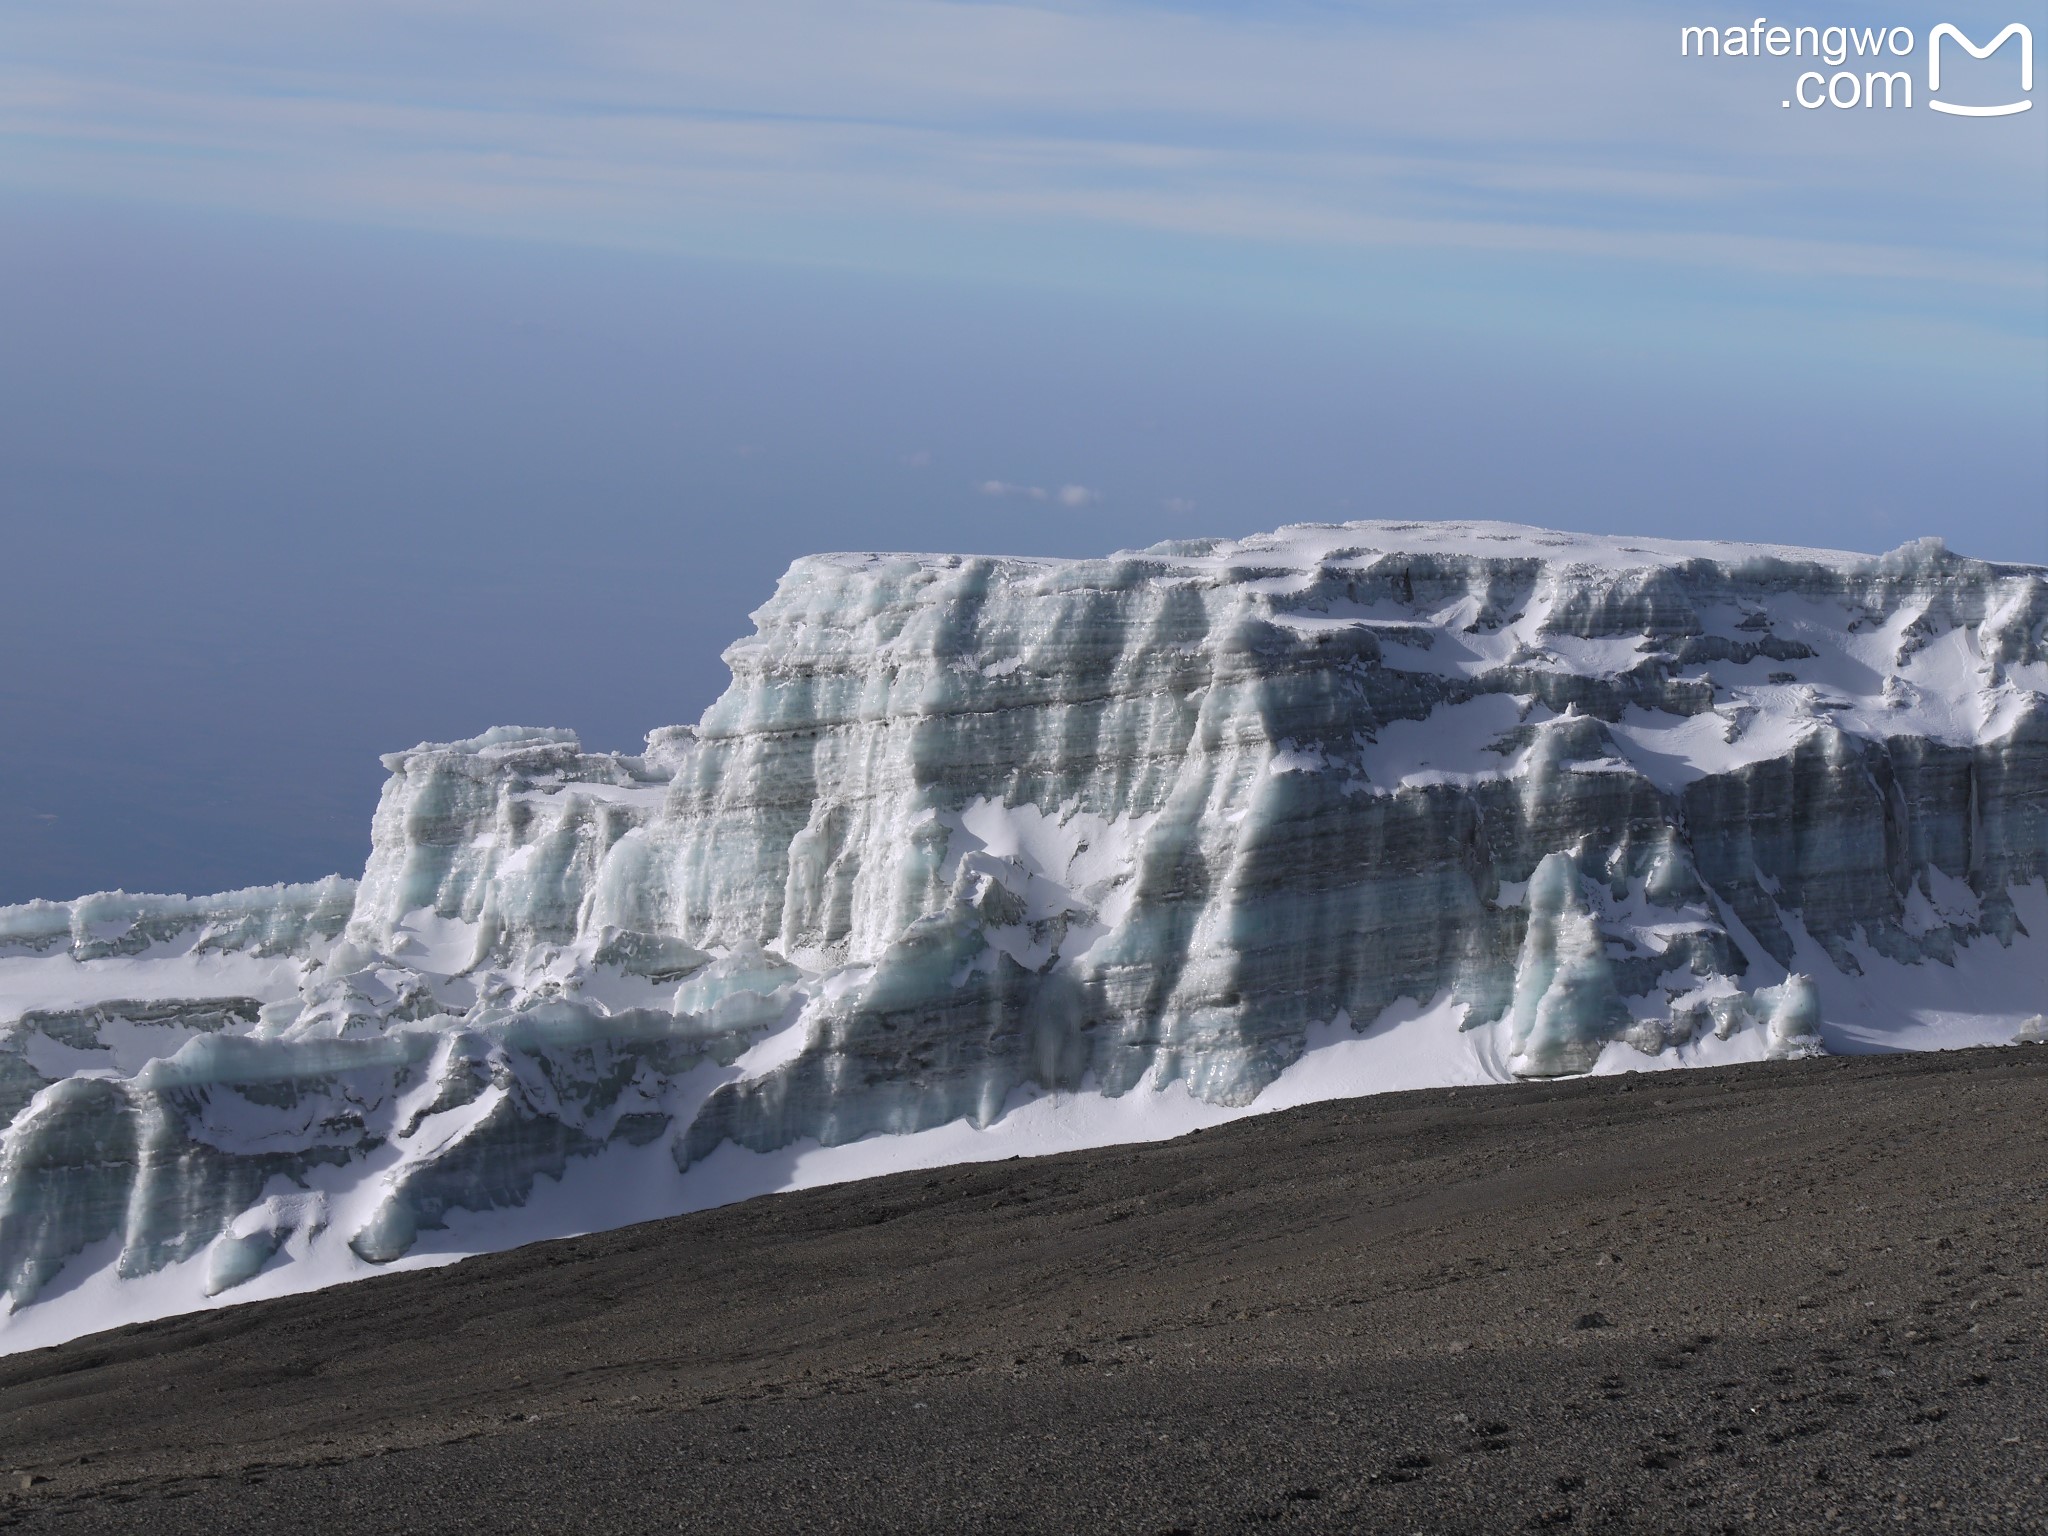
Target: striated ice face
x,y
975,843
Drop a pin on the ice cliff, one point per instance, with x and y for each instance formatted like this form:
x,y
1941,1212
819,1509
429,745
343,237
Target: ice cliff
x,y
1053,851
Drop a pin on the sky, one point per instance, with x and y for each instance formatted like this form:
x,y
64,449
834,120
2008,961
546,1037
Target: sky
x,y
376,373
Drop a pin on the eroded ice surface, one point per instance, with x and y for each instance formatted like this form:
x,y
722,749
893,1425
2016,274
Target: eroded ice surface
x,y
984,856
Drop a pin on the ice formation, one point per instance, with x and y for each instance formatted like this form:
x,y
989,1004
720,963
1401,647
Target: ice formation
x,y
986,855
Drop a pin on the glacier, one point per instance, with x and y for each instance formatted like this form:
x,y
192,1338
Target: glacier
x,y
981,856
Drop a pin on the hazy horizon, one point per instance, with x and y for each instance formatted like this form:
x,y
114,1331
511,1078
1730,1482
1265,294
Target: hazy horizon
x,y
369,382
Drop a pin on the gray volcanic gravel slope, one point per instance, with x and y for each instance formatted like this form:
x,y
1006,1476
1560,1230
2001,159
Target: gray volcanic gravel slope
x,y
1795,1296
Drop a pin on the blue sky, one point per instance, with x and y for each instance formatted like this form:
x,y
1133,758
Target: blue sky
x,y
384,371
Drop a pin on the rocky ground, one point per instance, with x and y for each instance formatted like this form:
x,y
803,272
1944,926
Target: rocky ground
x,y
1790,1297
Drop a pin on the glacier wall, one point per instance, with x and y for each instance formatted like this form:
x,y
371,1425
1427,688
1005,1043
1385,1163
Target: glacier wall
x,y
965,831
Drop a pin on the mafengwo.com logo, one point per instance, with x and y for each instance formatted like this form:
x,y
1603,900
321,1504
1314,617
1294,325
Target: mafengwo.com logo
x,y
1848,54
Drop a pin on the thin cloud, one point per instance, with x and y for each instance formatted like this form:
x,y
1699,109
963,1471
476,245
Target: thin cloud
x,y
1484,129
1065,495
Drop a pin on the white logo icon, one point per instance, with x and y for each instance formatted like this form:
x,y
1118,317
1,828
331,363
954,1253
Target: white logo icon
x,y
1934,68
